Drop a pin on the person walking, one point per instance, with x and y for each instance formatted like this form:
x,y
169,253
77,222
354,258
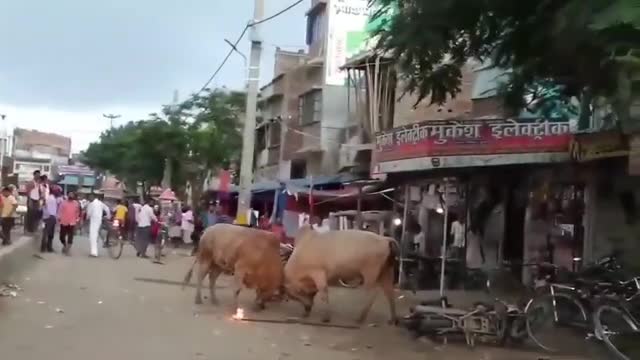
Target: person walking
x,y
96,210
50,218
7,213
143,234
34,198
187,222
69,216
132,223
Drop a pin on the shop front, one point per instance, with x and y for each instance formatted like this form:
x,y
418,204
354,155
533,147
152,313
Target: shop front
x,y
470,185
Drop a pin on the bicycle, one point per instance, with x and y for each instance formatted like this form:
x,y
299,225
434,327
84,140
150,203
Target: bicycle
x,y
113,238
620,309
567,305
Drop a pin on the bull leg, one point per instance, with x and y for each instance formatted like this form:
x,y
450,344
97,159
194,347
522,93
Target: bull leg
x,y
323,289
239,282
259,303
386,283
370,286
213,276
203,269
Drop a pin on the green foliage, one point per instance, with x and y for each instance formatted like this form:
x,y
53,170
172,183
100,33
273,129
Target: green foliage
x,y
577,45
196,136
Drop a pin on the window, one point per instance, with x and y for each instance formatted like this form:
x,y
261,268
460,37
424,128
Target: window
x,y
298,169
274,134
310,107
45,168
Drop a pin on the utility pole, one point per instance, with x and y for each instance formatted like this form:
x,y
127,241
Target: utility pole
x,y
111,117
248,143
3,141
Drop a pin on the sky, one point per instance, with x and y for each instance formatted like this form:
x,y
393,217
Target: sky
x,y
65,63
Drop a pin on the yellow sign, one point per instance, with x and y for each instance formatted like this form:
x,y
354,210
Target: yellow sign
x,y
601,145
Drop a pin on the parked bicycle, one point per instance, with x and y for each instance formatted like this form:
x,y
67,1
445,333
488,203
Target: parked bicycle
x,y
617,320
564,302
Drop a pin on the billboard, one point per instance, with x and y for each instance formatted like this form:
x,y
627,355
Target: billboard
x,y
347,22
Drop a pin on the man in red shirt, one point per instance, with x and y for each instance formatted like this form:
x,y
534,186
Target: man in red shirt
x,y
68,216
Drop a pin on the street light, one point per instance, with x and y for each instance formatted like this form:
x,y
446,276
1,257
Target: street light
x,y
111,117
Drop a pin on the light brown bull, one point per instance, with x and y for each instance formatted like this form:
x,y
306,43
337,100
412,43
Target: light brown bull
x,y
319,259
252,256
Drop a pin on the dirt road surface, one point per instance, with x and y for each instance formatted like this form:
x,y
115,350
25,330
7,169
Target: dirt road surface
x,y
78,308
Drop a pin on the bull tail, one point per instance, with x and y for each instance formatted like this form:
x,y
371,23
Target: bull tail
x,y
394,252
187,277
390,263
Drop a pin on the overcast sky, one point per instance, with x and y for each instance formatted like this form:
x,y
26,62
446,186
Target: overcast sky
x,y
63,63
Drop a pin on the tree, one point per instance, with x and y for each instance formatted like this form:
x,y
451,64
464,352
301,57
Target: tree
x,y
586,49
192,138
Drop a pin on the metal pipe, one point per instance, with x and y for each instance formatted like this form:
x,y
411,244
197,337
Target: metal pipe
x,y
402,237
443,251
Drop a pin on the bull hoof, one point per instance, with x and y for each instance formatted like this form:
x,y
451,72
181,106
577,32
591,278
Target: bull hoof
x,y
259,307
394,322
198,301
326,319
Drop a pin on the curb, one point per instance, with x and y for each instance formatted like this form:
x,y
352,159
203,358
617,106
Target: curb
x,y
16,258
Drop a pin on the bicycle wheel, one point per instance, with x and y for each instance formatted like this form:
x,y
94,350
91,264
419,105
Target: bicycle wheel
x,y
618,331
115,245
552,321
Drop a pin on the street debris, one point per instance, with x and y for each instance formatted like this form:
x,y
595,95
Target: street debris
x,y
99,302
59,311
41,302
9,290
48,326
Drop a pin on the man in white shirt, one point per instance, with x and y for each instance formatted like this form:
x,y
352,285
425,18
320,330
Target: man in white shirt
x,y
96,210
457,231
35,195
187,225
143,235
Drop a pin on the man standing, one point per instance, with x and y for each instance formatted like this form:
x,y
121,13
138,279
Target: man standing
x,y
132,222
187,224
34,196
69,215
96,210
49,216
143,235
9,205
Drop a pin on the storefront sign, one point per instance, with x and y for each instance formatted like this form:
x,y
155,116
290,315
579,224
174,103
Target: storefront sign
x,y
439,139
601,145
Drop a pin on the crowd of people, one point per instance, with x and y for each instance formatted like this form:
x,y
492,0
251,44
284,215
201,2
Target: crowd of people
x,y
48,209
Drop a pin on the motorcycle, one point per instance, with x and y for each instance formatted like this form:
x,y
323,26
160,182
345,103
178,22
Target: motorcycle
x,y
499,321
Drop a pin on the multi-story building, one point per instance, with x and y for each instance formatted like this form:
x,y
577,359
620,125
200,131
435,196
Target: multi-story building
x,y
35,150
277,138
312,97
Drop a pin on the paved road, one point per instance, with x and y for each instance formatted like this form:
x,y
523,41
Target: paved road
x,y
78,308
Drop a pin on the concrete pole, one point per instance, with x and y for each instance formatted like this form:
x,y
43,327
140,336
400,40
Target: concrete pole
x,y
3,141
248,143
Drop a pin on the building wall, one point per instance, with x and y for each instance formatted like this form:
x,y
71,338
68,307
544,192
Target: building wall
x,y
287,60
37,144
459,107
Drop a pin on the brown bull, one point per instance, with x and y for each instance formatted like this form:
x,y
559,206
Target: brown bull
x,y
252,256
322,258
